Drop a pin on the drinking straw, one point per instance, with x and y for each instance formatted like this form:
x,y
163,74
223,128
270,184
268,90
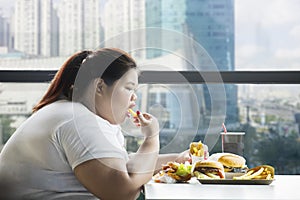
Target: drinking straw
x,y
225,131
224,128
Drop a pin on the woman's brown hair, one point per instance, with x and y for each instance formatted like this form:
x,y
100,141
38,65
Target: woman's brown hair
x,y
108,63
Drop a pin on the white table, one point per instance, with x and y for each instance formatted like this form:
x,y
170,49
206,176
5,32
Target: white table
x,y
283,187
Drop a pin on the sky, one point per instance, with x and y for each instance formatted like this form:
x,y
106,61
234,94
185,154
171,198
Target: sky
x,y
267,33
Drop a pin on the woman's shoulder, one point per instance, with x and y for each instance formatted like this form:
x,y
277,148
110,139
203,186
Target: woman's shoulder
x,y
61,109
61,105
64,106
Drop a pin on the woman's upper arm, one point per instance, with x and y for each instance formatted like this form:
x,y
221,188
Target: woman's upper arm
x,y
106,178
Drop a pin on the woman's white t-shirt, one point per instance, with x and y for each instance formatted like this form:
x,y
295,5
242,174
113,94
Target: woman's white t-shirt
x,y
41,155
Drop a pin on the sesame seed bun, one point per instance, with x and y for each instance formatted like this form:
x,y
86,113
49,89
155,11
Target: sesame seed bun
x,y
229,159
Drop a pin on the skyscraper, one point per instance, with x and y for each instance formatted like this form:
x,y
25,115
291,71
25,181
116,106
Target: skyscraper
x,y
26,28
166,14
120,18
33,33
48,29
4,32
211,24
79,25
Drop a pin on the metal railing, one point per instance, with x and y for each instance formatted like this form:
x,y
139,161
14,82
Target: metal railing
x,y
172,77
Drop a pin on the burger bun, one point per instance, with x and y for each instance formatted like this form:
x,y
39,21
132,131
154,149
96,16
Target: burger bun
x,y
209,163
229,159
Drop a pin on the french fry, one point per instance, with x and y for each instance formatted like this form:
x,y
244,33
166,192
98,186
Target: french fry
x,y
132,113
211,175
195,150
269,176
256,173
200,152
243,176
262,176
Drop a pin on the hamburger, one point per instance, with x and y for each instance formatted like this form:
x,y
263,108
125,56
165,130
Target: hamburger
x,y
208,169
231,162
174,172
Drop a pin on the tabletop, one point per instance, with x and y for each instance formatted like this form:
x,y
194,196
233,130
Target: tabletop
x,y
283,187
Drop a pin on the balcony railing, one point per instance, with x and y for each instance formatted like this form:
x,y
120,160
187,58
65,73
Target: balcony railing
x,y
172,77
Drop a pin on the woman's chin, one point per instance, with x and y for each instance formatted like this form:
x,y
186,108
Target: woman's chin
x,y
121,121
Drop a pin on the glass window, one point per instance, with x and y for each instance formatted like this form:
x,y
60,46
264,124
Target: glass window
x,y
268,114
206,36
16,103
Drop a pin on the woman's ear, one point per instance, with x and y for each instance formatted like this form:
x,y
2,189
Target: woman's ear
x,y
99,85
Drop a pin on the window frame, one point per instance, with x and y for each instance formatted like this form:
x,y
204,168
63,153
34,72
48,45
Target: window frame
x,y
172,77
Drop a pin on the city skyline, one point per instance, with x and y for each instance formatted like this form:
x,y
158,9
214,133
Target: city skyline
x,y
168,20
269,39
251,49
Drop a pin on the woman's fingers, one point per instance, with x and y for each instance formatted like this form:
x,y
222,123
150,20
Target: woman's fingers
x,y
184,156
149,124
144,118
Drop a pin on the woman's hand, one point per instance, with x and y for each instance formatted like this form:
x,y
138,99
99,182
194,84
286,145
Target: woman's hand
x,y
148,123
183,157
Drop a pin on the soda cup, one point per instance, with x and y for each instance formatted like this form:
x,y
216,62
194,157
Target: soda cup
x,y
233,142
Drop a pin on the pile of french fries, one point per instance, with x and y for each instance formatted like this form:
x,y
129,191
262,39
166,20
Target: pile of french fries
x,y
196,149
260,172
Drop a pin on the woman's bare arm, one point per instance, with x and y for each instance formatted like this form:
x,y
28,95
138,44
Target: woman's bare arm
x,y
113,178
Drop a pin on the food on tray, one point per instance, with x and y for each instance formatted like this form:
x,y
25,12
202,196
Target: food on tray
x,y
198,149
231,162
208,169
132,113
259,172
173,172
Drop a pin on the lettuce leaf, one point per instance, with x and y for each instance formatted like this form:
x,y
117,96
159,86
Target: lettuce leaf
x,y
183,170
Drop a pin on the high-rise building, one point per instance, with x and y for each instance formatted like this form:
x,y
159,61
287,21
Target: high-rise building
x,y
33,32
79,25
26,27
169,15
4,32
91,26
48,29
211,24
121,19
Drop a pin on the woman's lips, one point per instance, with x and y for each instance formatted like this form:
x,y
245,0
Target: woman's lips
x,y
128,114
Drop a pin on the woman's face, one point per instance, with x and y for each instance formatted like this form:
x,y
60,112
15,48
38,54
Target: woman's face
x,y
115,100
